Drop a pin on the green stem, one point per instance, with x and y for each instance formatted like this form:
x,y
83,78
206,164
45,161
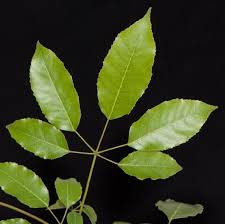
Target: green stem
x,y
113,148
88,183
81,153
23,212
109,160
102,135
85,142
92,167
56,219
64,216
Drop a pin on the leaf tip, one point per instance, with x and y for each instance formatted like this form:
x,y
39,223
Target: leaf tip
x,y
148,13
39,45
214,107
8,126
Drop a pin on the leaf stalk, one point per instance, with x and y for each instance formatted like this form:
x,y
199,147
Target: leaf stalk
x,y
113,148
96,154
3,204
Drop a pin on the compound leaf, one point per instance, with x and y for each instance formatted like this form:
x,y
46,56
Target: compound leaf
x,y
127,69
23,184
177,210
53,88
154,165
74,218
69,191
15,221
40,138
90,212
169,124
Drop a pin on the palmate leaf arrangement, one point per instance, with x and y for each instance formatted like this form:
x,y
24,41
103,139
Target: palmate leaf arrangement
x,y
125,75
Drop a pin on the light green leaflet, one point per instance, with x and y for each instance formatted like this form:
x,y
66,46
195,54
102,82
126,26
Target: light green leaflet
x,y
74,218
69,191
40,138
14,221
127,69
90,212
53,88
23,184
154,165
169,124
177,210
58,205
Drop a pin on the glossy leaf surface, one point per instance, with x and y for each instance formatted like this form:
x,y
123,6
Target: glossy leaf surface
x,y
58,205
53,88
74,218
90,212
14,221
69,191
23,184
169,124
40,138
176,210
127,69
153,165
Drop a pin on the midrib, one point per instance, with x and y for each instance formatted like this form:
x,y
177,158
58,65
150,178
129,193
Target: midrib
x,y
157,129
63,106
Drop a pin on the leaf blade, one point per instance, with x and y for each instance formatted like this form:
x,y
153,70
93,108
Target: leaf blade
x,y
40,138
23,184
90,212
53,88
177,210
122,79
69,191
57,205
14,221
169,124
153,165
74,218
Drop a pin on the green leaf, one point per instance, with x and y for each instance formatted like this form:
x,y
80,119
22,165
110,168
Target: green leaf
x,y
23,184
127,69
58,205
169,124
74,218
154,165
177,210
40,138
15,221
69,191
90,212
53,88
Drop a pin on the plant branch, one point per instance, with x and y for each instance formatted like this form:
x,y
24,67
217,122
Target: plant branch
x,y
92,167
64,216
56,219
23,212
81,153
113,148
88,183
109,160
102,135
85,142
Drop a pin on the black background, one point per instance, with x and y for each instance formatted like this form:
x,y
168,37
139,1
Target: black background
x,y
189,64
